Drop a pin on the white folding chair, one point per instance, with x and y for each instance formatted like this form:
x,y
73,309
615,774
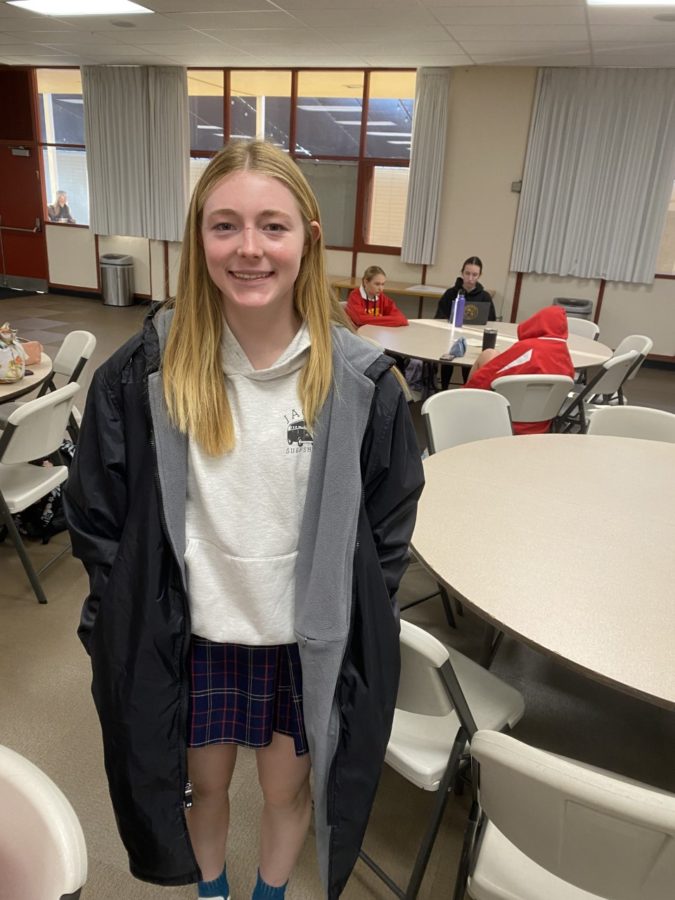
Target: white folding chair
x,y
75,351
583,328
33,431
534,398
443,697
42,846
459,417
464,415
608,379
634,421
643,345
558,829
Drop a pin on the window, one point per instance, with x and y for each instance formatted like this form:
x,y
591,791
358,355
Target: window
x,y
334,184
64,157
205,103
350,132
260,106
386,210
665,263
329,113
390,112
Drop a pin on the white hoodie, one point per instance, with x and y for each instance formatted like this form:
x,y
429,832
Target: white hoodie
x,y
244,508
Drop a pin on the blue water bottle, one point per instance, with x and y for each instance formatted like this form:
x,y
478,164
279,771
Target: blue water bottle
x,y
458,310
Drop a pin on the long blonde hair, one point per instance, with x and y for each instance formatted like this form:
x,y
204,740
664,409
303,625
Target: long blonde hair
x,y
192,371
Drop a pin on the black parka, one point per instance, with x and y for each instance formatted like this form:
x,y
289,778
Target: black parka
x,y
135,621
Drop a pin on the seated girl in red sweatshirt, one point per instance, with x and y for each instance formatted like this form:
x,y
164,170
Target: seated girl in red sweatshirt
x,y
541,349
369,305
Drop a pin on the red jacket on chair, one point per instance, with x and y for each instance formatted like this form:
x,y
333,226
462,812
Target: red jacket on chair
x,y
380,311
541,349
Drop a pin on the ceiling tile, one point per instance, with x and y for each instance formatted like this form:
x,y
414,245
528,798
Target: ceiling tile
x,y
519,33
259,19
661,32
510,15
198,6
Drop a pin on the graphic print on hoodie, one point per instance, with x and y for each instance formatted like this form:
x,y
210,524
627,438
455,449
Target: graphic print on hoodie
x,y
244,508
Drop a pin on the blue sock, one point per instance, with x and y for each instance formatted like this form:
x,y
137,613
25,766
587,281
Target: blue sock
x,y
264,891
216,888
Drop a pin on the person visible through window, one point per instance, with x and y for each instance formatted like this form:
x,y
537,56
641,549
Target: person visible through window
x,y
243,498
59,211
369,305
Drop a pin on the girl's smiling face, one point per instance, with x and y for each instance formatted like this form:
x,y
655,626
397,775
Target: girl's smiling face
x,y
254,238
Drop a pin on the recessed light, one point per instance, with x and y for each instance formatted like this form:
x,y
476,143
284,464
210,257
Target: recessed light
x,y
80,7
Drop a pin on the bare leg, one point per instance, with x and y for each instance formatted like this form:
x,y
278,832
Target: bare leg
x,y
284,780
483,357
210,771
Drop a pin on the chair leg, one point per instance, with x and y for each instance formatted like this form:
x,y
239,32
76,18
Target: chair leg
x,y
422,860
447,607
465,856
21,550
491,641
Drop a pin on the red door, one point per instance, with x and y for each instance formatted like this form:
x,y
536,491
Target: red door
x,y
23,249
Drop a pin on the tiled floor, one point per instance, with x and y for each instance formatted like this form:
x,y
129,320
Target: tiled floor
x,y
47,714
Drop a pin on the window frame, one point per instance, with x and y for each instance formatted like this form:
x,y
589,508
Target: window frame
x,y
46,144
365,164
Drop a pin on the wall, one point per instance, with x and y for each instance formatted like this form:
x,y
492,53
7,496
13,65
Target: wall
x,y
488,125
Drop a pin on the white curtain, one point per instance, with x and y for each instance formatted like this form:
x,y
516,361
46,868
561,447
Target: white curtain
x,y
426,166
598,174
136,131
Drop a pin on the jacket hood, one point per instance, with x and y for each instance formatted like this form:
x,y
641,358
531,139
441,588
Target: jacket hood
x,y
551,321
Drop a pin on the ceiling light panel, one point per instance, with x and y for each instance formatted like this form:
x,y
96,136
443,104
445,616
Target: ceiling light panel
x,y
81,7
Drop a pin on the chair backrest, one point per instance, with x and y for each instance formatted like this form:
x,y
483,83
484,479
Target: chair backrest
x,y
36,428
613,373
76,348
420,688
42,845
533,398
634,421
464,415
583,327
604,834
639,342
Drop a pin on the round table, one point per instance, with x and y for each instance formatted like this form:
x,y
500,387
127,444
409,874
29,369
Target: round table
x,y
571,549
428,339
41,372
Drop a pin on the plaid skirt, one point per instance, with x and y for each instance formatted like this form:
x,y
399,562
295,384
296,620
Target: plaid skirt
x,y
241,695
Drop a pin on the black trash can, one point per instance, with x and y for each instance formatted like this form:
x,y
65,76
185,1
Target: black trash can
x,y
578,309
117,279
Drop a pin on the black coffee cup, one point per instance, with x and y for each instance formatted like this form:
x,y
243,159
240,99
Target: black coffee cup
x,y
489,338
